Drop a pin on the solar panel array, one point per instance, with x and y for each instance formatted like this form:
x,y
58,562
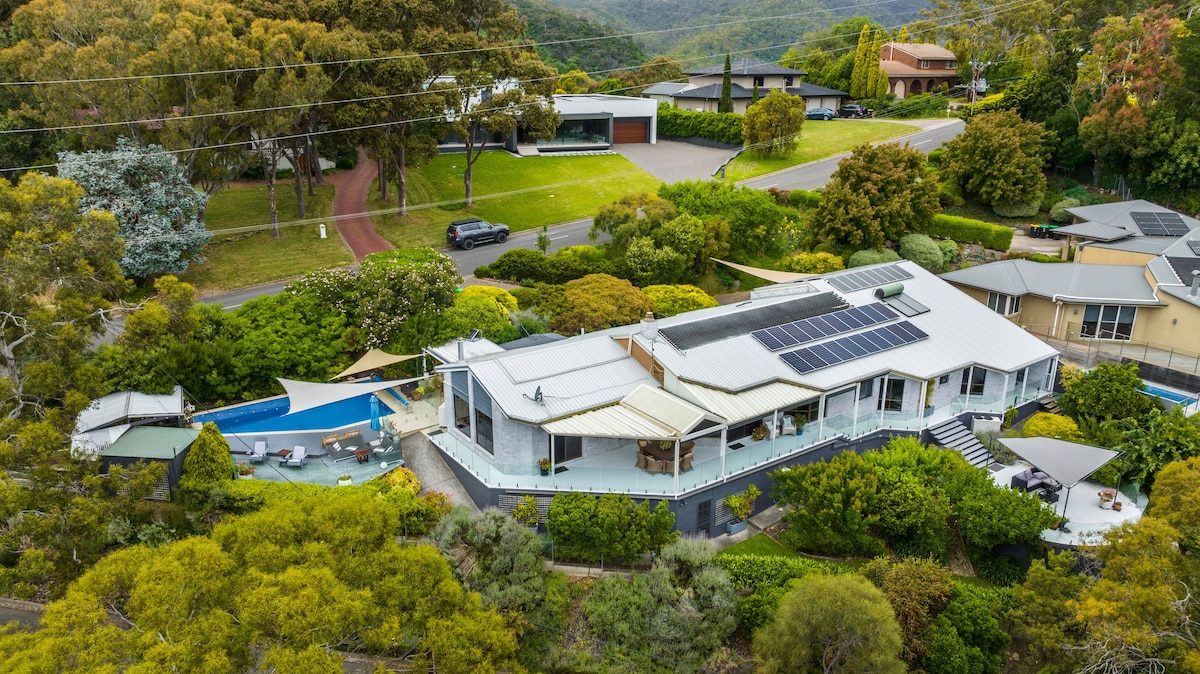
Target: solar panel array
x,y
826,325
1195,246
706,331
853,346
1160,224
868,278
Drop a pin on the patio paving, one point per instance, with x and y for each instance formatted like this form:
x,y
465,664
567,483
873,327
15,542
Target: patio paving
x,y
322,467
1086,520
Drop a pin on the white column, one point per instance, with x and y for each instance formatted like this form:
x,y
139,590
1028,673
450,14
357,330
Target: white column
x,y
675,469
471,406
821,417
921,403
857,396
724,439
1004,398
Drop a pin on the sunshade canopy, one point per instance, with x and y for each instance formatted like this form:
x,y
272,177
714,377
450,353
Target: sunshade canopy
x,y
646,413
768,274
1067,462
372,360
305,395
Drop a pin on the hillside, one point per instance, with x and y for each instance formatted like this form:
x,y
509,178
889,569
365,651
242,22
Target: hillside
x,y
551,23
768,38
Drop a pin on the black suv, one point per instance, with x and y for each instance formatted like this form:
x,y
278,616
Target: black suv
x,y
466,233
853,110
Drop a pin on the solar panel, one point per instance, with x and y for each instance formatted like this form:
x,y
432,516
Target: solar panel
x,y
1174,224
708,330
1160,224
868,278
1195,246
826,325
847,348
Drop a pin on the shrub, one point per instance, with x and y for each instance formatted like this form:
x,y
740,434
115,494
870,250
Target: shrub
x,y
922,250
1082,195
1058,212
1019,209
950,193
988,104
950,251
804,198
676,299
760,571
723,127
812,263
1047,425
998,569
398,478
519,265
921,105
967,230
1036,257
935,156
865,257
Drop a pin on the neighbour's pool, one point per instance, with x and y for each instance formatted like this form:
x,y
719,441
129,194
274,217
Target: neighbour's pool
x,y
265,416
1174,396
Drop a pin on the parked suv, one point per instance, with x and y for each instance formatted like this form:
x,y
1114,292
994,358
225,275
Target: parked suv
x,y
853,110
466,233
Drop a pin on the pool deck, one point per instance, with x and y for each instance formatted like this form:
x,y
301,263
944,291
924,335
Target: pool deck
x,y
321,467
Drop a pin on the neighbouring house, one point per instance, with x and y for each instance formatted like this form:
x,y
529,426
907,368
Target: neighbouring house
x,y
914,68
106,419
1135,280
694,407
589,122
703,89
152,444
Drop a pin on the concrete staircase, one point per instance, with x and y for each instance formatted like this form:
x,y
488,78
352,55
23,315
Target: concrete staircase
x,y
952,434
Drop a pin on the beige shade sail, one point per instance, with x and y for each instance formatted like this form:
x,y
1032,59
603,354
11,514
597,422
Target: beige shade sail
x,y
768,274
372,360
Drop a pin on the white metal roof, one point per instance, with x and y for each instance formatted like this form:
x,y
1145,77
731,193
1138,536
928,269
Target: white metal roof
x,y
125,405
647,412
748,404
1125,284
93,442
472,348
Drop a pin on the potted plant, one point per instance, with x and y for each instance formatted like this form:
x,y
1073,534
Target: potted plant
x,y
417,393
544,465
742,506
245,471
665,445
1106,498
526,512
1117,505
344,480
760,432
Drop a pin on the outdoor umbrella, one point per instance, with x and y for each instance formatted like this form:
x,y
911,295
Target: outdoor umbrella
x,y
375,425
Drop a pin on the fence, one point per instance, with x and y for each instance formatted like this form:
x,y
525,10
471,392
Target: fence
x,y
1086,352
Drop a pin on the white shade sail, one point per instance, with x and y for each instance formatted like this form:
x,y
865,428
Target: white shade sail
x,y
305,395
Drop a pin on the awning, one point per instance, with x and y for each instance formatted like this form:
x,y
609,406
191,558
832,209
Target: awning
x,y
305,395
768,274
646,413
1067,462
751,403
373,360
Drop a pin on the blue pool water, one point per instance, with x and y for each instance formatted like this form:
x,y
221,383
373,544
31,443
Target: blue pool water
x,y
1177,398
269,415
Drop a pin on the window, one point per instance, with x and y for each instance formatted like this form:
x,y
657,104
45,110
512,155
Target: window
x,y
923,64
944,379
758,81
891,395
483,431
461,412
972,381
787,80
866,389
1108,321
951,65
1020,377
1004,304
567,447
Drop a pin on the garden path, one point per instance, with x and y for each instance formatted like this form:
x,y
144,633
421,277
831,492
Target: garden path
x,y
350,208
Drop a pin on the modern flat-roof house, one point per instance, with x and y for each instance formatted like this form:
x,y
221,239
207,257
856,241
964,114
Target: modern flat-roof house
x,y
703,89
914,68
1135,279
697,406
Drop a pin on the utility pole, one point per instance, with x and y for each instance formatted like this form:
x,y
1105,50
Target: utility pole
x,y
976,70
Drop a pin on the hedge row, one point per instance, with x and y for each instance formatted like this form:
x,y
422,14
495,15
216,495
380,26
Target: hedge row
x,y
755,571
723,127
967,230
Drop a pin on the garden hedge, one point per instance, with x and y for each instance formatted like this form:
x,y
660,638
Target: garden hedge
x,y
967,230
723,127
755,571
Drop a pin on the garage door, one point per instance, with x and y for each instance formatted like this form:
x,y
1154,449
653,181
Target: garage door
x,y
631,132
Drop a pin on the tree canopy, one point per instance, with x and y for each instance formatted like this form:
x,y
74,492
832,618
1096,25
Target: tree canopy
x,y
772,125
1000,158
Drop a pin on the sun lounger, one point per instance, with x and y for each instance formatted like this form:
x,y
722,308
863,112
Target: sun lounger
x,y
259,453
298,457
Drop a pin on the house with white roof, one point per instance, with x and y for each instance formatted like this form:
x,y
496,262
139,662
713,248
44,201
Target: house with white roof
x,y
697,406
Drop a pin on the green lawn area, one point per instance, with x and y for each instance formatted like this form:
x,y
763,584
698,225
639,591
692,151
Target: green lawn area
x,y
238,260
521,192
818,140
760,544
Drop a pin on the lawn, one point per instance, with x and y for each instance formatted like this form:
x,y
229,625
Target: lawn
x,y
239,260
521,192
760,544
818,140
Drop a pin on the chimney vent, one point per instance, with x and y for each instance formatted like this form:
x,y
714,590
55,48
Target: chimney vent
x,y
649,325
462,351
1195,283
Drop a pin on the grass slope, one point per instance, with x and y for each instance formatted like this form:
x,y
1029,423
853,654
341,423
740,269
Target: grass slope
x,y
521,192
818,139
238,260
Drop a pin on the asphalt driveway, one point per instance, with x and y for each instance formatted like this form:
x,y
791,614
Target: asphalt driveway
x,y
671,161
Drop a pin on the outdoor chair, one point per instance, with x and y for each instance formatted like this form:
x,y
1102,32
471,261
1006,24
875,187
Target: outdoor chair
x,y
685,462
327,440
259,453
341,453
669,467
653,465
787,426
298,457
641,461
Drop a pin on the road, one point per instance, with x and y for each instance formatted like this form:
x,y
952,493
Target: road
x,y
806,176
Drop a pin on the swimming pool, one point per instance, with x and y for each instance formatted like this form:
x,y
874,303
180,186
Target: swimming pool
x,y
265,416
1173,396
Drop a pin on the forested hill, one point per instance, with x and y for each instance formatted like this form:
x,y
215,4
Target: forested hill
x,y
771,38
551,23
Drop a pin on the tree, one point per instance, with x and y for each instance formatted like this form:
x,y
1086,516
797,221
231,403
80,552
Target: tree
x,y
831,624
599,301
671,300
772,125
1106,392
918,590
877,194
833,505
1041,620
208,466
497,557
862,64
1000,158
160,216
726,102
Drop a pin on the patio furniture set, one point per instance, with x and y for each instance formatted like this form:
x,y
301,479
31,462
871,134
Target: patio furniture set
x,y
1030,479
654,458
353,448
